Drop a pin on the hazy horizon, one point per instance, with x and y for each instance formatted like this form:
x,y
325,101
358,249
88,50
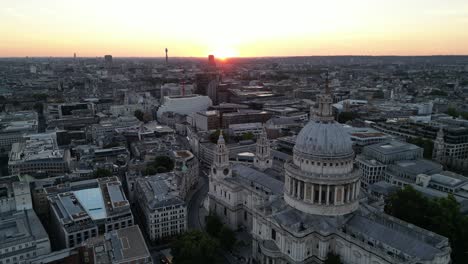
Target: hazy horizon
x,y
144,28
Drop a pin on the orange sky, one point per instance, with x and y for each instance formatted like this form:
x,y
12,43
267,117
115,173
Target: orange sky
x,y
233,28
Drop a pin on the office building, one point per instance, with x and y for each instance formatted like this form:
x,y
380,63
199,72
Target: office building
x,y
123,246
206,120
81,213
164,211
184,105
186,169
22,235
39,155
15,126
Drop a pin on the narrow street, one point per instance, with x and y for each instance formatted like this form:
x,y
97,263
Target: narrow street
x,y
195,202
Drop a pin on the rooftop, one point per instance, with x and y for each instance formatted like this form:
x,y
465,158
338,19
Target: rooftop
x,y
120,246
22,226
252,175
159,190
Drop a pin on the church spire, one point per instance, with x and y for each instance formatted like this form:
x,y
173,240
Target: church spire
x,y
438,153
262,158
221,167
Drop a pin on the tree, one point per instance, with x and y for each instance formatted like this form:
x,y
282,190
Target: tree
x,y
150,171
344,117
147,117
194,247
438,93
139,115
215,135
333,258
248,136
426,144
161,164
40,96
38,107
441,216
379,94
213,225
227,238
101,173
452,112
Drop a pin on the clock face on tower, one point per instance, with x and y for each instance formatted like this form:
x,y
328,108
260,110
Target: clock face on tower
x,y
226,171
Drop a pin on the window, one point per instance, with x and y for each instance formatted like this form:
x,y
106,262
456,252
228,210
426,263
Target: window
x,y
273,234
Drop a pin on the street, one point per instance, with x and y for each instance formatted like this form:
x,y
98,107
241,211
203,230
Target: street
x,y
195,202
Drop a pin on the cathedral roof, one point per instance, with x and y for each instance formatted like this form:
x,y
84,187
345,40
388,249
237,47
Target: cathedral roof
x,y
323,139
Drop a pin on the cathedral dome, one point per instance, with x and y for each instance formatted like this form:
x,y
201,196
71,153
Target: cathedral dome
x,y
321,179
326,139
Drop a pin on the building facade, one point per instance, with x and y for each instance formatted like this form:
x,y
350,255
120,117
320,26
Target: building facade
x,y
164,211
318,209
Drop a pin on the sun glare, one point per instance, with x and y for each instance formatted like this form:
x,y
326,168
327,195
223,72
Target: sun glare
x,y
224,53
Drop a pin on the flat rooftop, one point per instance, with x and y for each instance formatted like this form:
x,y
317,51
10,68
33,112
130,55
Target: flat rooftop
x,y
392,146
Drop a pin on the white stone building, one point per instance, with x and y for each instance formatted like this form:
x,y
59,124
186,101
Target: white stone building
x,y
318,208
164,211
22,235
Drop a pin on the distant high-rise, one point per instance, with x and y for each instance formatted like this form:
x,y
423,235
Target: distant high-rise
x,y
74,56
211,60
166,55
108,60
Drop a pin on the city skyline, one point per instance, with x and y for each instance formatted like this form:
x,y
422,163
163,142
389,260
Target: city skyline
x,y
233,29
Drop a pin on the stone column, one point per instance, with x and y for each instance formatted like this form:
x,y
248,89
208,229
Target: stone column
x,y
342,194
320,194
354,191
335,199
358,187
328,194
312,193
301,190
294,188
348,192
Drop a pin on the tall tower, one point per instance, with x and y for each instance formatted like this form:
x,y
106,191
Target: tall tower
x,y
263,159
166,56
438,153
211,61
221,168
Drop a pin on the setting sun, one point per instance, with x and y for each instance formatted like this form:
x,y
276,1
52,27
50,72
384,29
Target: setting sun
x,y
224,53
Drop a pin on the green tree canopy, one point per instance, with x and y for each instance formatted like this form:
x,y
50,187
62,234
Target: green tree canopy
x,y
441,216
227,238
101,173
40,96
438,93
215,228
194,247
215,135
426,144
248,136
333,258
139,115
161,164
344,117
213,225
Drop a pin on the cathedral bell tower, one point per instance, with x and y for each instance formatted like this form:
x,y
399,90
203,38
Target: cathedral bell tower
x,y
221,168
438,153
263,160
